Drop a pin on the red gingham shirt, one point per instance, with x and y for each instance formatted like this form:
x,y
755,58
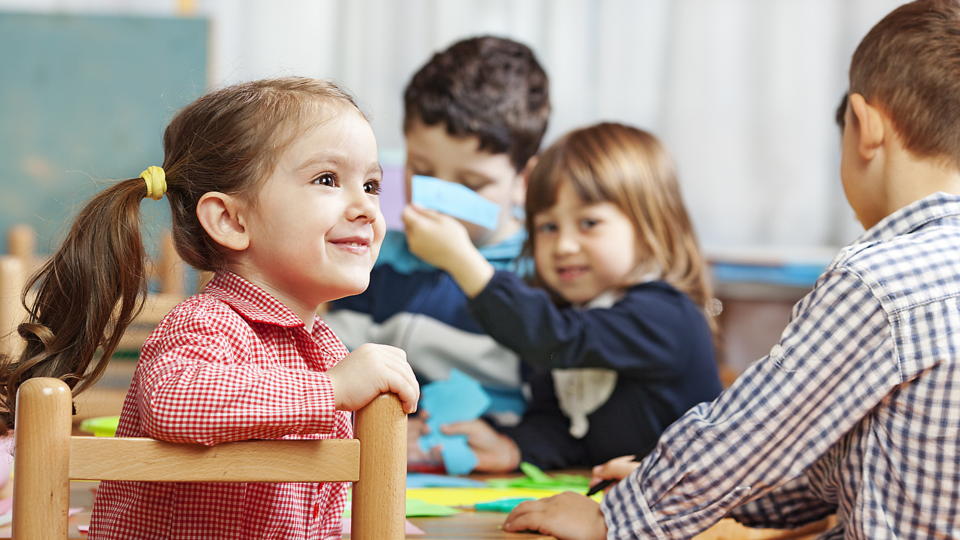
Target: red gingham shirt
x,y
229,364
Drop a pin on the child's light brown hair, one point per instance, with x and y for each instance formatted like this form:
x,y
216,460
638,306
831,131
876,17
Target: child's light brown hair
x,y
908,65
94,285
629,168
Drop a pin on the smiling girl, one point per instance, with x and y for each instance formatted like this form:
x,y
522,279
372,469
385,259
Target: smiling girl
x,y
273,185
615,332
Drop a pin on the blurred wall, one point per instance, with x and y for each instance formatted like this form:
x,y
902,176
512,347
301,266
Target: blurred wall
x,y
742,91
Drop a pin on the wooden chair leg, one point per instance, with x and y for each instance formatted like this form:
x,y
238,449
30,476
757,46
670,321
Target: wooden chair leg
x,y
41,484
379,497
12,281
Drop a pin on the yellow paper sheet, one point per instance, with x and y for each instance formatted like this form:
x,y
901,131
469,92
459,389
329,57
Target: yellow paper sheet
x,y
468,496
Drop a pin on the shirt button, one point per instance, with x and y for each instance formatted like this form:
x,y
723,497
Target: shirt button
x,y
776,351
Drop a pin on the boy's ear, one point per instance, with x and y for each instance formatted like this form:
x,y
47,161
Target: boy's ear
x,y
220,215
519,195
868,125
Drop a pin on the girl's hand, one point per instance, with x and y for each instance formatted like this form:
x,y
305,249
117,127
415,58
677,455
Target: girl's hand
x,y
444,242
434,237
495,452
615,469
566,516
372,370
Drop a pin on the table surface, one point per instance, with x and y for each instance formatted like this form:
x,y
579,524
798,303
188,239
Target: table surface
x,y
470,524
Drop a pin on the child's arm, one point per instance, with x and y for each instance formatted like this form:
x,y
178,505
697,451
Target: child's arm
x,y
443,242
650,330
792,505
198,386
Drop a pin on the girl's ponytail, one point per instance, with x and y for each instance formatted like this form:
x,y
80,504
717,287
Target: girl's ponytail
x,y
86,296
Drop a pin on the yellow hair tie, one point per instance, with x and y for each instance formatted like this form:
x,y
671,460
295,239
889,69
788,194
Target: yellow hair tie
x,y
156,181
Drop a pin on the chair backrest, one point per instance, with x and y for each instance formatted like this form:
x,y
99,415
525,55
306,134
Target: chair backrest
x,y
12,280
48,457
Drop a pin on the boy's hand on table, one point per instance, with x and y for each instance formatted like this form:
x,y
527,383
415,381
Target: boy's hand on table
x,y
372,370
616,469
566,516
495,452
417,427
445,243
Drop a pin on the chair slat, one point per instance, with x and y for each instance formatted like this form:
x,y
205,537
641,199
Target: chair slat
x,y
149,460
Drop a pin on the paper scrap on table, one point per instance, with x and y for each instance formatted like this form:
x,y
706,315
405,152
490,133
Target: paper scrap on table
x,y
408,528
472,496
457,399
454,200
418,508
536,478
420,480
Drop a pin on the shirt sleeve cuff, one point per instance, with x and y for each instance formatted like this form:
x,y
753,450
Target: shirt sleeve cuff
x,y
321,415
627,514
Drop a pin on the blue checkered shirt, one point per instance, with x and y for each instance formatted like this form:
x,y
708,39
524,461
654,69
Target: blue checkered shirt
x,y
855,411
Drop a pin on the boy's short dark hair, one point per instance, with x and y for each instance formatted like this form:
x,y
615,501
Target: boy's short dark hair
x,y
488,87
908,65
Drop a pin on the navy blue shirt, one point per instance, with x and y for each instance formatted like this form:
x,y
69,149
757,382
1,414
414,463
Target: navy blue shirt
x,y
421,309
654,338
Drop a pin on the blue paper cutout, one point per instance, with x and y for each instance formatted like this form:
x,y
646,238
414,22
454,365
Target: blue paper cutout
x,y
422,480
455,200
458,457
457,399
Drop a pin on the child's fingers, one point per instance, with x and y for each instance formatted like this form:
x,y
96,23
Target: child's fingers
x,y
410,217
616,469
527,516
460,428
402,382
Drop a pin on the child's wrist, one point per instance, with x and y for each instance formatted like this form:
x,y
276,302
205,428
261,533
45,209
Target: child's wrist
x,y
472,272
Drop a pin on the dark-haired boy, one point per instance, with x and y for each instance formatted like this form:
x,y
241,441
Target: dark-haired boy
x,y
474,114
856,411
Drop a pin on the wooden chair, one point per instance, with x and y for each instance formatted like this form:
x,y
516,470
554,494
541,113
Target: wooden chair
x,y
12,279
48,457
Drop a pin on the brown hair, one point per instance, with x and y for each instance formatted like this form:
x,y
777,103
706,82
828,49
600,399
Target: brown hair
x,y
95,283
630,168
908,64
489,87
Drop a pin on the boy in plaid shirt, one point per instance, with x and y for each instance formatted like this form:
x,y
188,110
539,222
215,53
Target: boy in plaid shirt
x,y
856,410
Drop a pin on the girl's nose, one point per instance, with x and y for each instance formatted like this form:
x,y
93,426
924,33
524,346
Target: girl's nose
x,y
362,206
567,243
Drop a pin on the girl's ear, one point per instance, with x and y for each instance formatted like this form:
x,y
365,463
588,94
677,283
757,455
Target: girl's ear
x,y
220,215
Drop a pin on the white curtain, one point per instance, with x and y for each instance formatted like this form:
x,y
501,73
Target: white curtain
x,y
742,91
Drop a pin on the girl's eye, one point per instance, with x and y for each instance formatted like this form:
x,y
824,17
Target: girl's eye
x,y
588,223
326,179
546,228
372,187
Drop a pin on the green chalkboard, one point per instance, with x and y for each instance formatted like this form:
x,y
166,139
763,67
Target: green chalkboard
x,y
84,100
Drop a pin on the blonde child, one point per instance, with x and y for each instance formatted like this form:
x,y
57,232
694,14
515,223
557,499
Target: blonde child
x,y
616,335
855,411
273,185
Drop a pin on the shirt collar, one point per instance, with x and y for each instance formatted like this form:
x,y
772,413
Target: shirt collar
x,y
250,301
912,216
